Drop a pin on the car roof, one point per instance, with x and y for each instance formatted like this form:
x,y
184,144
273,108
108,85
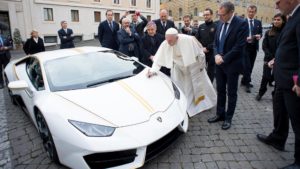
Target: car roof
x,y
51,55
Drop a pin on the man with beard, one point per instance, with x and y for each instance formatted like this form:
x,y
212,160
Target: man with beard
x,y
206,36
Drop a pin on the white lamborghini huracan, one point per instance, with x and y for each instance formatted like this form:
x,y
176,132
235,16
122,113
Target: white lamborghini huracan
x,y
95,108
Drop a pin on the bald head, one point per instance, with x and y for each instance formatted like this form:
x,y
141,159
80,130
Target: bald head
x,y
163,15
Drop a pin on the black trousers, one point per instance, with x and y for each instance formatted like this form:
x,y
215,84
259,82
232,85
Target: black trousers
x,y
227,84
267,77
210,62
250,53
4,60
286,104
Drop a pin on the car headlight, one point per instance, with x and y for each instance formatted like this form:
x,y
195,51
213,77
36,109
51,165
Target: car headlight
x,y
176,91
93,130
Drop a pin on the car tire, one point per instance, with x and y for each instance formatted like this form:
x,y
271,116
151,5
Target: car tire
x,y
46,137
12,99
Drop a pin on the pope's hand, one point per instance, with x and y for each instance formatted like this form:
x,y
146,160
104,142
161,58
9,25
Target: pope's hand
x,y
150,74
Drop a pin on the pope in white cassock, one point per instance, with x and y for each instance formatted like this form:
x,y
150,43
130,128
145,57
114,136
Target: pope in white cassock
x,y
184,55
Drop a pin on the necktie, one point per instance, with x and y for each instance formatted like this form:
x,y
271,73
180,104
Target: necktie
x,y
164,24
222,39
251,27
110,25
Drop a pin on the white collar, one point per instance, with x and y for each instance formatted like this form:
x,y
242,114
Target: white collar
x,y
250,19
295,10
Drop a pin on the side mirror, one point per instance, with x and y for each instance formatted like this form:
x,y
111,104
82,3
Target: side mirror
x,y
18,85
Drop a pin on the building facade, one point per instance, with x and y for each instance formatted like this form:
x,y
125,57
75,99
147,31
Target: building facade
x,y
178,8
83,16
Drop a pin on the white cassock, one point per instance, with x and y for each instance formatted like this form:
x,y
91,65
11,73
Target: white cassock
x,y
186,60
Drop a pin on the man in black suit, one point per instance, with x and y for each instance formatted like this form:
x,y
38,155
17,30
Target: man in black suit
x,y
107,32
206,36
229,43
163,24
252,46
287,78
66,36
188,29
5,47
139,26
151,42
34,44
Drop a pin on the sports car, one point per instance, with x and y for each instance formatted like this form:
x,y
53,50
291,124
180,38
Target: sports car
x,y
95,107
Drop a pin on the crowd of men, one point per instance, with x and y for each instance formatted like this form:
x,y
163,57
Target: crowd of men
x,y
229,46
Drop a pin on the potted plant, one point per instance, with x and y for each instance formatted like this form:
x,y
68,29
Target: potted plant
x,y
17,38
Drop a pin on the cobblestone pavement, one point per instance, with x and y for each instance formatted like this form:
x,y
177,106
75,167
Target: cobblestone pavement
x,y
205,146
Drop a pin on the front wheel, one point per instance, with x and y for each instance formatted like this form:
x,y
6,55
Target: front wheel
x,y
46,136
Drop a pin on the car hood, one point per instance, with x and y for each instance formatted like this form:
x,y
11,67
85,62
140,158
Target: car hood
x,y
125,102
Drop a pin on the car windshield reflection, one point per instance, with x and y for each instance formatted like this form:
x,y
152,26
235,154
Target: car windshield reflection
x,y
89,70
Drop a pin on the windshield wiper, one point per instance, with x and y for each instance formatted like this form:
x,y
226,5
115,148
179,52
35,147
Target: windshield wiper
x,y
107,81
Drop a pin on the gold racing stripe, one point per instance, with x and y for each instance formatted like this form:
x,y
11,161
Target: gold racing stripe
x,y
78,50
137,96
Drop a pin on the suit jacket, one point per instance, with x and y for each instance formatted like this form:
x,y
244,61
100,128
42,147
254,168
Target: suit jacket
x,y
31,47
66,39
160,29
287,57
235,41
257,29
5,54
127,42
108,38
150,48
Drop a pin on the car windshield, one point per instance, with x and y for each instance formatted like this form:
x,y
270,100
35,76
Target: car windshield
x,y
89,70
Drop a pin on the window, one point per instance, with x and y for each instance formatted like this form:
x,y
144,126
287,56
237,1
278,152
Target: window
x,y
149,17
148,4
133,2
96,0
34,73
74,15
48,14
50,39
170,13
97,16
180,12
116,16
77,38
196,12
116,1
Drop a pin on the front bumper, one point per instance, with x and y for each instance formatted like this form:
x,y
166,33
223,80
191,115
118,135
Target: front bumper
x,y
128,147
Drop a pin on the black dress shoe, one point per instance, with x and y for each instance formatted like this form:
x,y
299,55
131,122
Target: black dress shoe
x,y
248,89
265,139
1,86
226,125
258,97
292,166
250,85
215,119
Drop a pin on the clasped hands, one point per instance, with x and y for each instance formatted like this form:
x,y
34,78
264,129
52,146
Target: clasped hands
x,y
219,59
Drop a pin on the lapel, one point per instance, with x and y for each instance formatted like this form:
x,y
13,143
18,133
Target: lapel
x,y
232,24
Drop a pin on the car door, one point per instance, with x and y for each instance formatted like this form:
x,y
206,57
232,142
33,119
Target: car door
x,y
33,76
